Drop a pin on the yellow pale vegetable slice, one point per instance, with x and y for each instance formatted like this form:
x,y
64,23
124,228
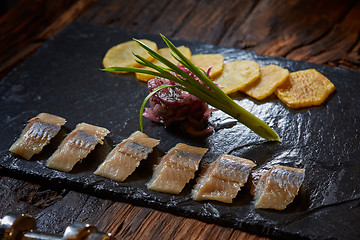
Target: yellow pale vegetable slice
x,y
205,61
271,77
236,75
165,52
122,55
304,89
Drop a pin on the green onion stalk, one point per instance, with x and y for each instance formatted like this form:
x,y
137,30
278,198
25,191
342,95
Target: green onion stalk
x,y
209,92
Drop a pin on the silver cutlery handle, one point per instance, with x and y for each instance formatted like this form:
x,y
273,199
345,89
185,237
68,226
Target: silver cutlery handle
x,y
23,227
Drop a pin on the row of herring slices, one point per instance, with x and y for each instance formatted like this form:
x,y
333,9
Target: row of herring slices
x,y
76,146
220,181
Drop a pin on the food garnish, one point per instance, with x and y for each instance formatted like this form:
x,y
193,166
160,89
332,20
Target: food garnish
x,y
206,61
123,54
176,168
305,89
223,179
271,77
175,107
126,156
165,52
237,75
205,89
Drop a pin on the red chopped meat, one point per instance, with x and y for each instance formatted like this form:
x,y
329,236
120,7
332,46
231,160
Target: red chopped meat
x,y
172,106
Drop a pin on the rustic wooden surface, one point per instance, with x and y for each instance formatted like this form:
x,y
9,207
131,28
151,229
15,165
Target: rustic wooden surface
x,y
324,32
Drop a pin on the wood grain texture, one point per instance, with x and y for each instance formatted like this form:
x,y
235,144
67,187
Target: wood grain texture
x,y
30,23
54,210
324,32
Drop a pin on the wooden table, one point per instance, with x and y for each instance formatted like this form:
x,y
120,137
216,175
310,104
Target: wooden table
x,y
324,32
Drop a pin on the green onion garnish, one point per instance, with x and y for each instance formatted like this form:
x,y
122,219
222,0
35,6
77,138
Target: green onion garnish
x,y
210,93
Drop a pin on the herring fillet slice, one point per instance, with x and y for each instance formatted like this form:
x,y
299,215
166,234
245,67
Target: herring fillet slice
x,y
76,146
223,179
176,168
37,133
126,156
278,187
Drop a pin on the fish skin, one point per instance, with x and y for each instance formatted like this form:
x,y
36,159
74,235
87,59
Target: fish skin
x,y
216,189
278,187
37,134
122,161
176,168
169,179
223,179
76,146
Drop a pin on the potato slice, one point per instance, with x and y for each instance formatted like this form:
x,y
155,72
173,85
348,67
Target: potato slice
x,y
271,77
304,89
165,52
122,55
205,61
236,75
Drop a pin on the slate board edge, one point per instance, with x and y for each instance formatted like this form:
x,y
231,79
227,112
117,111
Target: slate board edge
x,y
122,196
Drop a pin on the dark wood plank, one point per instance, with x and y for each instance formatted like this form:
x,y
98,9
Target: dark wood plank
x,y
124,221
17,196
339,46
22,33
299,30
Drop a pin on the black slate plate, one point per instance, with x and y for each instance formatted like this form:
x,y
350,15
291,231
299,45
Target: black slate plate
x,y
62,78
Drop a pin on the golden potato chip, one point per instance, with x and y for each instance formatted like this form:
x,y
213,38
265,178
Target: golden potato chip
x,y
165,52
271,77
236,75
205,61
304,89
122,55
